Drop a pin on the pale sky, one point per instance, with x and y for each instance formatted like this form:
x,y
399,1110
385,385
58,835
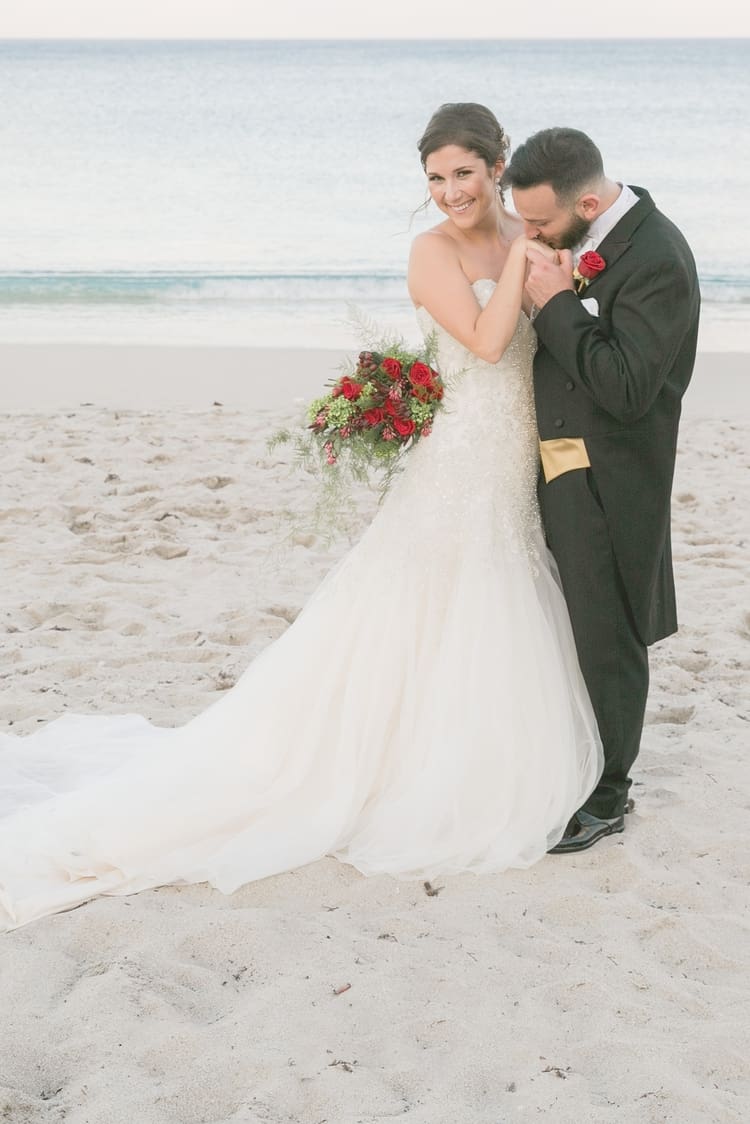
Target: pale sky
x,y
371,19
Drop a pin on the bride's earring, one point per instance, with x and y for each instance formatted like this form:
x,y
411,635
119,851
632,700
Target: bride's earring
x,y
500,192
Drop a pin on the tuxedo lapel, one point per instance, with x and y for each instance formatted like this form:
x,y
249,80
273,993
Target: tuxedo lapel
x,y
617,242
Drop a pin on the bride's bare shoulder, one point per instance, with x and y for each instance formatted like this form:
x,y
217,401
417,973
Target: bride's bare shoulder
x,y
434,253
432,244
442,232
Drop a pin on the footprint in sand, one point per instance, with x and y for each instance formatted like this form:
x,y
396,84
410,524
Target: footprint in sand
x,y
110,544
14,513
216,482
254,514
675,715
81,526
195,637
133,628
170,550
234,638
225,680
663,796
301,539
709,541
218,510
694,662
36,614
138,489
659,771
284,612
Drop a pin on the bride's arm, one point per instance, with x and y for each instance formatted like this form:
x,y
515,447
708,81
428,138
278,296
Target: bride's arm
x,y
439,284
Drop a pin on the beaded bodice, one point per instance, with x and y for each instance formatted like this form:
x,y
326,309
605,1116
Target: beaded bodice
x,y
482,457
455,359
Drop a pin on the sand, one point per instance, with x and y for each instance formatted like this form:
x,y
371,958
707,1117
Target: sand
x,y
144,565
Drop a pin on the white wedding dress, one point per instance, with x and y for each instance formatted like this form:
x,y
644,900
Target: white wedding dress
x,y
424,715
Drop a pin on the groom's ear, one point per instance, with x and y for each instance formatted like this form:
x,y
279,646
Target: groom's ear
x,y
588,206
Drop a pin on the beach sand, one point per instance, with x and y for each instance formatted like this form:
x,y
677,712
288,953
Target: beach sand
x,y
62,376
146,561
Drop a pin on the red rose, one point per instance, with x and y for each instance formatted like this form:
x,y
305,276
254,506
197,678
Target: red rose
x,y
391,407
350,389
392,368
420,375
374,416
404,426
590,264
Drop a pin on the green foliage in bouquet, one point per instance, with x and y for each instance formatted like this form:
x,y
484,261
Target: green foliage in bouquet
x,y
360,431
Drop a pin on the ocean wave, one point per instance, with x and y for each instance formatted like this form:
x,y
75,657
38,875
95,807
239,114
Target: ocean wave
x,y
127,287
148,288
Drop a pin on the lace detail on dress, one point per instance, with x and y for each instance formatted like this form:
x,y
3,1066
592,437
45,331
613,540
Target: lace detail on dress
x,y
486,437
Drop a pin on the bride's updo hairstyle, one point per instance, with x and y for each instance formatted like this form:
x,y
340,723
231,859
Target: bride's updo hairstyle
x,y
467,125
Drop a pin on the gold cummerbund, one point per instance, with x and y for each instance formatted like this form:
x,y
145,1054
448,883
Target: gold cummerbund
x,y
563,454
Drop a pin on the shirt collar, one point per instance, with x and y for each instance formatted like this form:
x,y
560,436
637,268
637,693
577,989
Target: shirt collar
x,y
607,220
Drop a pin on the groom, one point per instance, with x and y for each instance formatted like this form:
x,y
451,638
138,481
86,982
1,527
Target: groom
x,y
617,323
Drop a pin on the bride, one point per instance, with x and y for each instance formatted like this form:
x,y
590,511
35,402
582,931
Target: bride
x,y
445,729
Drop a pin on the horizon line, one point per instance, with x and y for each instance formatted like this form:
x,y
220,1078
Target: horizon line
x,y
24,38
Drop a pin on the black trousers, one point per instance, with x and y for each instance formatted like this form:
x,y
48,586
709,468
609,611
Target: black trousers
x,y
613,658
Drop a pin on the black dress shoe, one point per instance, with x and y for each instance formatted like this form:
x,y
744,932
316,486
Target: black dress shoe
x,y
584,831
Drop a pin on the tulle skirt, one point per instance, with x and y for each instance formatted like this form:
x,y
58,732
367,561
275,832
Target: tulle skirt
x,y
424,715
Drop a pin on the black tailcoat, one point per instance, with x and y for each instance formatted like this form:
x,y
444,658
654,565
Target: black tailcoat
x,y
617,380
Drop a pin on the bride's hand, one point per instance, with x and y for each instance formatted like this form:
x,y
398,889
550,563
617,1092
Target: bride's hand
x,y
548,273
537,249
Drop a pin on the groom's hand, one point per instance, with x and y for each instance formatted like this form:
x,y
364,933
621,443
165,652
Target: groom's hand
x,y
547,276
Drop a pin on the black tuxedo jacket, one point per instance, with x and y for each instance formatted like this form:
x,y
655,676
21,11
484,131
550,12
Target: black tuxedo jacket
x,y
617,380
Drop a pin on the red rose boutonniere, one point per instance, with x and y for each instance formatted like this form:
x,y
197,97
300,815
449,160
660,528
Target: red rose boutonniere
x,y
590,265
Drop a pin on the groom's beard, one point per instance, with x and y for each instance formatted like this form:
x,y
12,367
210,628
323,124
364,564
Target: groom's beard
x,y
571,236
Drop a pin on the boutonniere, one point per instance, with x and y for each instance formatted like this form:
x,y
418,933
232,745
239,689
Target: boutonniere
x,y
590,265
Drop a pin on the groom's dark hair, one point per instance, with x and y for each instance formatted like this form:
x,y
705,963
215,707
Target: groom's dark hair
x,y
566,159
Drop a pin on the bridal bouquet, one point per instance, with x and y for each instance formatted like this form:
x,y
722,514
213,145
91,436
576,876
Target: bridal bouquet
x,y
359,431
387,402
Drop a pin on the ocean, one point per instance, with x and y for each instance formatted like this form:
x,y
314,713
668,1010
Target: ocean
x,y
261,192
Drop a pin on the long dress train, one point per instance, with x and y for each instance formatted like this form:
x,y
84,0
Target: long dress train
x,y
424,715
